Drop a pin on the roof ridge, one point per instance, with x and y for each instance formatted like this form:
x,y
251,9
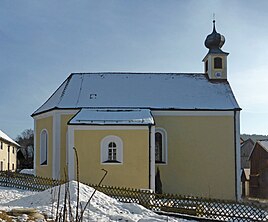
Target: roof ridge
x,y
155,73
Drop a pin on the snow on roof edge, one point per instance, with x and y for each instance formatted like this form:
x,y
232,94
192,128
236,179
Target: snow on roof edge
x,y
5,137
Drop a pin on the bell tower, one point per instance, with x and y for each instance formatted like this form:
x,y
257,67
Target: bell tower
x,y
215,62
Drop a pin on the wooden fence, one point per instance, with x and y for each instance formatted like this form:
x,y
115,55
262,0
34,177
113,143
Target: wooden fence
x,y
26,181
218,210
212,209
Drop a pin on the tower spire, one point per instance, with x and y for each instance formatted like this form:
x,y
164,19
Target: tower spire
x,y
215,40
216,60
214,28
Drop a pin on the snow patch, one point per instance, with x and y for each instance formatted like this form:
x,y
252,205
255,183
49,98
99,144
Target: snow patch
x,y
101,208
27,171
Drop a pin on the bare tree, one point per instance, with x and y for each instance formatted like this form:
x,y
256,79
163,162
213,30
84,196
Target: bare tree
x,y
26,141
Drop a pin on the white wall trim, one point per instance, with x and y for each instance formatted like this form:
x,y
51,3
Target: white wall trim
x,y
87,127
53,112
152,158
71,155
47,146
192,113
238,155
104,149
35,147
56,146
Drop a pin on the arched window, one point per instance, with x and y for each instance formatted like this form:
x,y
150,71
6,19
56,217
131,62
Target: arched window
x,y
160,146
217,63
43,147
206,66
111,150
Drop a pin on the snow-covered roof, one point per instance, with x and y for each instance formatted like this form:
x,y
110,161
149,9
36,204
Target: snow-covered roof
x,y
7,138
113,117
141,90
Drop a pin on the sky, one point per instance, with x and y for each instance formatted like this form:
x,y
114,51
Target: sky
x,y
42,42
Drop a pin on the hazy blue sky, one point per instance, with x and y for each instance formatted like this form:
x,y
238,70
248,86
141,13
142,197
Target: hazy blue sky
x,y
42,42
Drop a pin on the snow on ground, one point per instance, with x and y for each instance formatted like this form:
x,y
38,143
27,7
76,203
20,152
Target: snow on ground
x,y
7,194
27,171
102,208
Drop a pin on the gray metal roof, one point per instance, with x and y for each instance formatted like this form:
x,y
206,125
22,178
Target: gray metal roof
x,y
112,117
161,91
264,144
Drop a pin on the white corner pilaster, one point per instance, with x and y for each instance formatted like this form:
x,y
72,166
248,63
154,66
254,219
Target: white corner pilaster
x,y
238,155
35,147
152,158
56,146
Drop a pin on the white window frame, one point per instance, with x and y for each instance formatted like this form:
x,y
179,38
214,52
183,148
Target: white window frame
x,y
105,149
163,132
43,148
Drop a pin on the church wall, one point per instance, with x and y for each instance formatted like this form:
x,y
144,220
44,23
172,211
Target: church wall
x,y
40,124
201,156
132,173
63,145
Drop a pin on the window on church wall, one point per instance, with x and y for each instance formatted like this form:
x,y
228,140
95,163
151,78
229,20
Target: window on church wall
x,y
160,146
43,147
206,66
217,63
111,150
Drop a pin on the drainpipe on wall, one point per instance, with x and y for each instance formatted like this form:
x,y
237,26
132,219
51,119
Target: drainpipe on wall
x,y
152,157
237,154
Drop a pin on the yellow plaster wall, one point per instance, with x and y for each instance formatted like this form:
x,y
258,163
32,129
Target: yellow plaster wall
x,y
63,139
5,155
45,123
133,173
201,156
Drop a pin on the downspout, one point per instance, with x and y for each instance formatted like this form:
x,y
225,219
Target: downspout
x,y
237,154
152,157
70,150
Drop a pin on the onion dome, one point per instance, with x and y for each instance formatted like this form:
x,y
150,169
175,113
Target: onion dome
x,y
214,41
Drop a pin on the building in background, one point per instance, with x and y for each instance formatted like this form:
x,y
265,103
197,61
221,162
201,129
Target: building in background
x,y
8,153
258,183
246,150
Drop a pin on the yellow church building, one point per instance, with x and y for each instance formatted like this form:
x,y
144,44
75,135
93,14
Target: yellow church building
x,y
184,126
8,153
